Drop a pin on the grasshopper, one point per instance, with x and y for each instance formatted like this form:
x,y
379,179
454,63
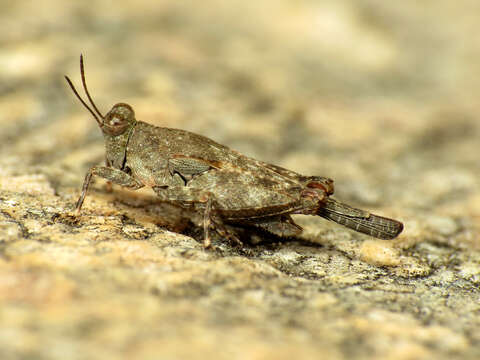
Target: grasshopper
x,y
229,188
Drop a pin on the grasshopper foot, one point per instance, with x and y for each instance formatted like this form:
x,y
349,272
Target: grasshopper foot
x,y
223,231
214,222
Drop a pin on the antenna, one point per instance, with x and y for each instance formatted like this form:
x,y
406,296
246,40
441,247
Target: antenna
x,y
100,123
82,72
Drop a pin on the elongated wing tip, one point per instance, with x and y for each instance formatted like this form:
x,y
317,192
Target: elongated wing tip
x,y
361,221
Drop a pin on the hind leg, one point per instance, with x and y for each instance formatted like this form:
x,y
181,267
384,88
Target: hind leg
x,y
280,225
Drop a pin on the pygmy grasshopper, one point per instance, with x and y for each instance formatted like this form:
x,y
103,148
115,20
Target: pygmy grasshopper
x,y
227,187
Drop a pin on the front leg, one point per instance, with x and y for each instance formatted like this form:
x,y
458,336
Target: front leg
x,y
113,175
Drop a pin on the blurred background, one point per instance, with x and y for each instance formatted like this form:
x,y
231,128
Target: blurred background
x,y
380,96
338,88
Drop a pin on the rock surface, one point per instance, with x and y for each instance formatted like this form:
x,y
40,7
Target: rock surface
x,y
382,97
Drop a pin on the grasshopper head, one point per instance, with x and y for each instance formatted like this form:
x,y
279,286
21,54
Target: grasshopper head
x,y
118,120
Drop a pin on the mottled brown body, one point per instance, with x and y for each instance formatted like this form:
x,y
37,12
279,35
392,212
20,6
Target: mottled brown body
x,y
228,187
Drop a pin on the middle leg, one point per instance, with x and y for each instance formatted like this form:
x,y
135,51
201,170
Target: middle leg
x,y
203,201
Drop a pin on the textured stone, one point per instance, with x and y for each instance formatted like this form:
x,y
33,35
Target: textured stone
x,y
380,96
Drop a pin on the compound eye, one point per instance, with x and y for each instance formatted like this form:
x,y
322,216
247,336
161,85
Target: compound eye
x,y
115,121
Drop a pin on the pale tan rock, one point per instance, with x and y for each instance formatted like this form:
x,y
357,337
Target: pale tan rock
x,y
378,252
380,96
